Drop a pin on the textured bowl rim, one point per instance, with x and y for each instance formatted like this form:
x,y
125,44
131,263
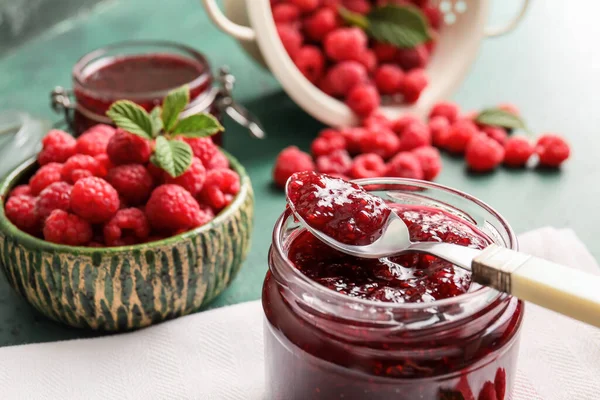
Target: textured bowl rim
x,y
11,230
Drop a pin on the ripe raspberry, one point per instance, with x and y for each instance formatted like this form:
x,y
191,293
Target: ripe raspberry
x,y
552,150
415,135
55,197
127,148
20,190
483,154
388,79
510,108
64,228
384,52
311,62
434,16
220,188
445,109
405,165
368,59
207,211
413,85
94,199
495,132
345,76
460,135
80,166
353,138
376,122
290,161
306,6
95,140
357,6
430,160
284,13
128,226
203,148
415,57
172,208
368,165
57,146
328,141
384,143
20,210
517,151
104,163
363,100
156,172
191,180
325,86
318,25
290,37
345,44
133,182
440,130
44,177
400,125
488,392
217,161
337,162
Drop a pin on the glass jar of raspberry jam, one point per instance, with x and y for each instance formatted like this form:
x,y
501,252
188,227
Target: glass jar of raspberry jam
x,y
337,327
144,72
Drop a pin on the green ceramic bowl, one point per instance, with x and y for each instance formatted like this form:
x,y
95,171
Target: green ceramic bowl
x,y
129,287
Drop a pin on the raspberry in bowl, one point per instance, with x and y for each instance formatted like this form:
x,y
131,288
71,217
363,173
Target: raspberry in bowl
x,y
406,327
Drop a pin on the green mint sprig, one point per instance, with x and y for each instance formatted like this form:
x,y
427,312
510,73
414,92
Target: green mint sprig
x,y
401,26
501,118
164,125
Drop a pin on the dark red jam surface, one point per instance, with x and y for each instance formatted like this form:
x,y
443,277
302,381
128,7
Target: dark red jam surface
x,y
340,209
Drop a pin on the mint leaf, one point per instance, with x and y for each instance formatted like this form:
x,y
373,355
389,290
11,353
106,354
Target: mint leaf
x,y
198,125
129,116
402,26
353,18
155,118
173,156
173,105
501,118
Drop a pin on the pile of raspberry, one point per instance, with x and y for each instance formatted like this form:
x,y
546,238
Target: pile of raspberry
x,y
102,190
408,147
343,62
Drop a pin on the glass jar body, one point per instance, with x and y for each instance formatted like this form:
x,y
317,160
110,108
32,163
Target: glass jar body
x,y
323,345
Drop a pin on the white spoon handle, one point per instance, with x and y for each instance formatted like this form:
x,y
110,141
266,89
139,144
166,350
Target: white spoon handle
x,y
553,286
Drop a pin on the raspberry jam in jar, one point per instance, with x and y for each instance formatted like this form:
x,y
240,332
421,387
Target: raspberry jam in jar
x,y
408,327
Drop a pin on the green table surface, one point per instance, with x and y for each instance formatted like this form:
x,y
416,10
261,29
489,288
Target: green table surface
x,y
548,67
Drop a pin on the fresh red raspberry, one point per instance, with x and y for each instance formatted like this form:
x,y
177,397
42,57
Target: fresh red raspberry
x,y
328,141
217,161
95,140
405,165
127,148
500,383
368,165
385,52
207,211
290,161
413,85
191,180
434,16
331,4
318,25
430,160
399,125
353,138
55,197
483,154
345,76
461,133
171,208
495,132
128,226
388,79
357,6
377,121
20,190
156,172
203,148
415,135
220,188
363,100
552,150
104,163
384,143
285,13
345,44
57,146
20,210
336,162
488,392
44,177
80,166
70,229
412,58
510,108
94,199
440,130
133,182
517,151
290,37
368,59
311,62
326,87
445,109
306,6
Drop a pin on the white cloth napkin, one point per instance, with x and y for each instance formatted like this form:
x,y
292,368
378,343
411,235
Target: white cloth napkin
x,y
218,354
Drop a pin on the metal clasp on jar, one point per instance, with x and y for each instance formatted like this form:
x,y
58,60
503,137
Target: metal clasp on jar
x,y
62,101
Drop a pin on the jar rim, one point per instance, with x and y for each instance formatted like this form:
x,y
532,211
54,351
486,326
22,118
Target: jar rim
x,y
92,56
308,283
